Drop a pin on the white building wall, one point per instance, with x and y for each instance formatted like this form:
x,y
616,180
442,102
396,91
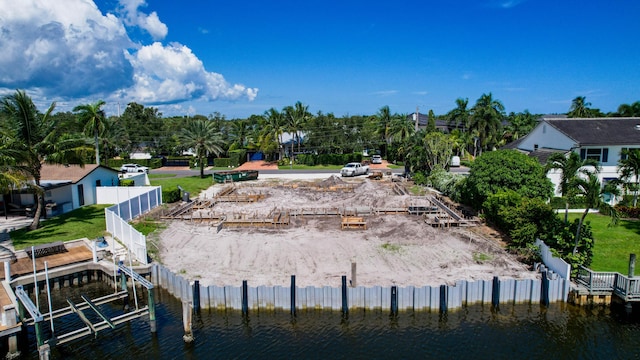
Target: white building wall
x,y
107,178
546,136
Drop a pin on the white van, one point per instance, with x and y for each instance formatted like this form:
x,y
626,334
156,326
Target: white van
x,y
455,161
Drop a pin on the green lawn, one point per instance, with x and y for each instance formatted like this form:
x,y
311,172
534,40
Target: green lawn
x,y
192,184
612,244
88,221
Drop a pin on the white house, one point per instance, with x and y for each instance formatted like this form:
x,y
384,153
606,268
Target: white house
x,y
601,139
68,187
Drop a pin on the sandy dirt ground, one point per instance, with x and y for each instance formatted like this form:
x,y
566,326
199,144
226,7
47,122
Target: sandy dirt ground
x,y
393,250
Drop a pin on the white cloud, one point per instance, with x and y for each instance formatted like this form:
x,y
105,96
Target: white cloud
x,y
385,92
67,52
151,23
167,74
69,49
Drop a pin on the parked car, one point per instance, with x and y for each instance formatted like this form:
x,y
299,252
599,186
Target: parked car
x,y
354,169
134,168
376,159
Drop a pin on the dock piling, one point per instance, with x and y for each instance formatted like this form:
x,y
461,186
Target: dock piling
x,y
345,304
187,314
293,295
632,264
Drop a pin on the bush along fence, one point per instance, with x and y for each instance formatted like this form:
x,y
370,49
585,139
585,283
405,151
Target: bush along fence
x,y
441,298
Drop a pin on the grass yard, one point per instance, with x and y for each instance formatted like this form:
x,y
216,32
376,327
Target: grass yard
x,y
88,221
612,244
192,184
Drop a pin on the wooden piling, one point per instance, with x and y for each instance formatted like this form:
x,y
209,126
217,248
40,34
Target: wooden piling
x,y
187,314
394,300
353,274
293,295
632,264
345,303
12,340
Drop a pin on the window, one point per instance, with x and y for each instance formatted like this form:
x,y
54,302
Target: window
x,y
98,183
623,156
598,154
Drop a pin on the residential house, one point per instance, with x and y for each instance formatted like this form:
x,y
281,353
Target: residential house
x,y
67,187
423,122
601,139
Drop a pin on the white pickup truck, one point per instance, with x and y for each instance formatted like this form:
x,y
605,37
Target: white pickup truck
x,y
354,169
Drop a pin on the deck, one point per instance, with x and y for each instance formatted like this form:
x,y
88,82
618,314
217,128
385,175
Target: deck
x,y
608,283
24,266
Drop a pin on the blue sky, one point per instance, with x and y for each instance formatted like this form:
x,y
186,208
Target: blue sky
x,y
352,57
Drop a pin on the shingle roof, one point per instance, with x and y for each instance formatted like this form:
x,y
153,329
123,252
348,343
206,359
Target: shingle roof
x,y
543,154
599,131
73,173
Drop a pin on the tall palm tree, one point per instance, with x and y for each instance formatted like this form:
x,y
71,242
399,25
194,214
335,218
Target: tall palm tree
x,y
296,118
239,133
384,119
591,190
93,118
629,168
459,117
570,166
486,119
203,137
274,125
579,108
37,140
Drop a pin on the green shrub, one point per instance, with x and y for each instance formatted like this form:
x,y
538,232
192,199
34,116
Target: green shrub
x,y
237,157
559,203
221,162
127,182
420,178
170,195
628,211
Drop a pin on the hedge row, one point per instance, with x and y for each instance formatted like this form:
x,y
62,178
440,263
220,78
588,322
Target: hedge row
x,y
628,211
327,159
559,203
170,195
150,163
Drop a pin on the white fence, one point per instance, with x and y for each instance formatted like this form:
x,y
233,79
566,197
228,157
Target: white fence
x,y
556,264
426,298
117,216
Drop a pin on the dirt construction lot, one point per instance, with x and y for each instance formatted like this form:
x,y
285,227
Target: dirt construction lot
x,y
395,249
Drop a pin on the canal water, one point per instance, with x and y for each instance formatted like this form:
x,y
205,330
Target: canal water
x,y
559,331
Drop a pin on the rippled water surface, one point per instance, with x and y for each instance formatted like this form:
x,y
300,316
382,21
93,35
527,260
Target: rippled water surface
x,y
523,332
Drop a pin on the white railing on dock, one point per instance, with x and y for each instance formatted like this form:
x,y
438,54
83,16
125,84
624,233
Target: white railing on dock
x,y
628,289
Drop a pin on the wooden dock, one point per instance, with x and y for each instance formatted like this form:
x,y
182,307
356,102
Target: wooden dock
x,y
598,287
24,265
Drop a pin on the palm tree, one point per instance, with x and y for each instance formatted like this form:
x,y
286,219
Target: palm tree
x,y
591,190
296,118
203,137
239,133
384,119
37,140
627,110
274,125
570,166
486,119
93,118
579,108
629,168
459,117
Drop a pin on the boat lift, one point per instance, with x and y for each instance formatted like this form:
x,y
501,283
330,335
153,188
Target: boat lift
x,y
25,304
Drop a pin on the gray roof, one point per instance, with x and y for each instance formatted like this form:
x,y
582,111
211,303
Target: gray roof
x,y
599,131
